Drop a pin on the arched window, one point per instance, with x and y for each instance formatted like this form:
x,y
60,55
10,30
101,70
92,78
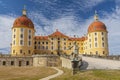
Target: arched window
x,y
4,63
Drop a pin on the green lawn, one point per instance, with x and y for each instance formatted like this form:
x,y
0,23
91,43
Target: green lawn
x,y
90,75
25,73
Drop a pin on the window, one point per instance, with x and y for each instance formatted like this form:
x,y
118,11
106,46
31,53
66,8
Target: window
x,y
96,52
14,30
42,42
102,38
38,47
12,63
20,51
35,47
58,38
90,45
29,36
64,43
103,45
95,44
29,43
69,43
82,48
14,42
42,47
21,29
21,42
95,39
14,36
52,43
89,40
29,31
13,51
102,33
64,48
4,63
95,34
35,42
90,53
29,51
103,52
51,38
52,47
38,42
64,39
27,63
46,47
21,35
46,42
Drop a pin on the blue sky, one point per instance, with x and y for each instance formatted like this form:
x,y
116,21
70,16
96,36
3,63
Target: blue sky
x,y
72,17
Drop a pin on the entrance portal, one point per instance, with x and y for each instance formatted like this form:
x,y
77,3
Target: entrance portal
x,y
20,63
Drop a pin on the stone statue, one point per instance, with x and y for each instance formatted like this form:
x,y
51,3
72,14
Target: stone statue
x,y
75,53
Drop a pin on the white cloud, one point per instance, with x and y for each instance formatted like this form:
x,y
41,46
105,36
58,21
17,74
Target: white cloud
x,y
112,22
82,5
6,23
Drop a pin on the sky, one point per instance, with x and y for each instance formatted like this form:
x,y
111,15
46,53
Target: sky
x,y
71,17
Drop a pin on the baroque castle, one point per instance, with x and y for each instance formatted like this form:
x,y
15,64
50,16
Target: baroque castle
x,y
25,43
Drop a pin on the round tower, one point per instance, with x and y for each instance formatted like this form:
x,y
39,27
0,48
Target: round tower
x,y
22,36
97,38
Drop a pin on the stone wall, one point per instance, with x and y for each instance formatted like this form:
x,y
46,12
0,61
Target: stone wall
x,y
16,61
98,63
66,63
46,60
35,60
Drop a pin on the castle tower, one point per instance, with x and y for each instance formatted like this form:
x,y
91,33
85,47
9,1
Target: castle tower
x,y
97,38
22,36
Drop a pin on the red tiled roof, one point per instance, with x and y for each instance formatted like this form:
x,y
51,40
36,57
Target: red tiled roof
x,y
57,34
23,21
97,26
41,37
77,39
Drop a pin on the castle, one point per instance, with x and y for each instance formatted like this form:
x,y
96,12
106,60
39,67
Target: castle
x,y
25,43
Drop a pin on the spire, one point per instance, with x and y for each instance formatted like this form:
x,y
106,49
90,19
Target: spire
x,y
95,16
24,12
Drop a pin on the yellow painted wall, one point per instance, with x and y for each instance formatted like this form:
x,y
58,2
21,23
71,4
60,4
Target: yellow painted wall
x,y
17,47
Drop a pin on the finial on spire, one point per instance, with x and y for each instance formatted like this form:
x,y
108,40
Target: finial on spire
x,y
24,12
96,16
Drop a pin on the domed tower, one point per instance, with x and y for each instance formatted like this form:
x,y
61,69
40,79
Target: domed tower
x,y
22,36
97,38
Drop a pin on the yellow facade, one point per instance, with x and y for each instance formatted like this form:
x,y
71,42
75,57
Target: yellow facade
x,y
24,43
21,44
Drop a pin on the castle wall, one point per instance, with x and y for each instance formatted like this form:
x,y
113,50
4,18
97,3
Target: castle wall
x,y
46,60
16,61
35,60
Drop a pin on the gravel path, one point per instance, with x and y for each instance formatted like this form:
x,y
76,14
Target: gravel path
x,y
54,75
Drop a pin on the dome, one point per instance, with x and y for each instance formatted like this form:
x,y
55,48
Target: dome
x,y
23,21
97,26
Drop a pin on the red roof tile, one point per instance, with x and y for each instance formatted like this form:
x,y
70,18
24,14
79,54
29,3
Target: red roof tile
x,y
41,37
57,34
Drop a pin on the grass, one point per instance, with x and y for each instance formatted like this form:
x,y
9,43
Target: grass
x,y
25,73
90,75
